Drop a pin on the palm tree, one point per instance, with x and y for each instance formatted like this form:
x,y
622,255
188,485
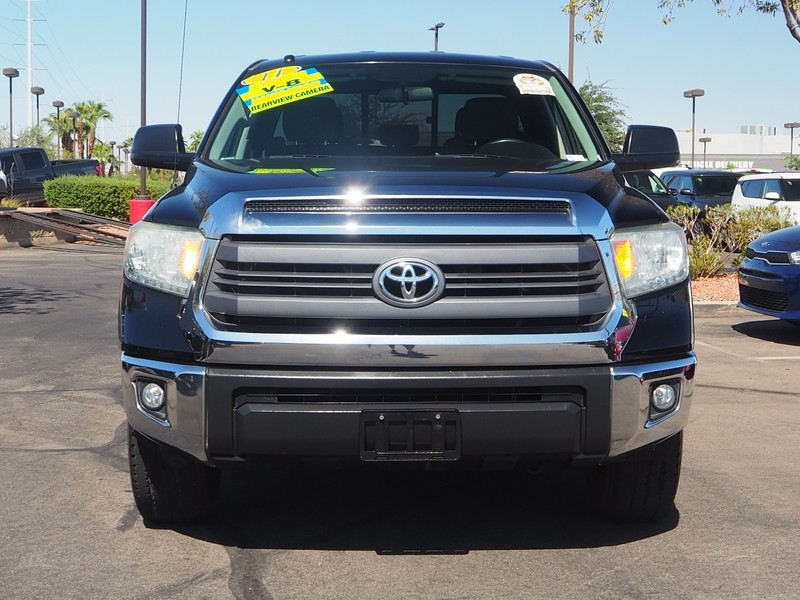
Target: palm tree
x,y
62,129
194,140
80,125
93,113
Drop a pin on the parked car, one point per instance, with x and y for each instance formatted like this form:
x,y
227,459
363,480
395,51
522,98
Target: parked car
x,y
26,170
781,190
769,276
701,188
651,186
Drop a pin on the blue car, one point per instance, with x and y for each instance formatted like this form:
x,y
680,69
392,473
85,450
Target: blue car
x,y
769,276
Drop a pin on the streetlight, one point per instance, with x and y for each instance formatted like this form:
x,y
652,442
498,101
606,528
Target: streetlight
x,y
58,104
112,143
10,72
704,141
435,29
37,91
791,127
693,94
74,114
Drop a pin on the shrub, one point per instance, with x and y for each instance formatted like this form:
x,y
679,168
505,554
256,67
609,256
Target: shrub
x,y
104,196
704,260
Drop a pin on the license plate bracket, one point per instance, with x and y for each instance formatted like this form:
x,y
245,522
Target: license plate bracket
x,y
410,435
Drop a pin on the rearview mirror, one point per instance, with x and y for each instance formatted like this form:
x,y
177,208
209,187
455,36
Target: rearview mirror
x,y
161,147
648,147
405,94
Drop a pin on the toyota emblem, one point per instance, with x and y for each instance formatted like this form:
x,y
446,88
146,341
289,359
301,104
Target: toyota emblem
x,y
408,283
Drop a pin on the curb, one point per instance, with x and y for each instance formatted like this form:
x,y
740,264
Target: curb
x,y
715,309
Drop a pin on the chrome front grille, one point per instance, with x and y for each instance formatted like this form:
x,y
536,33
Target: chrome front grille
x,y
491,286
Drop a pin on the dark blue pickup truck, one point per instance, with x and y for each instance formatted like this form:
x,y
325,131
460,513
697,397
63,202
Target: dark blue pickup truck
x,y
393,258
26,169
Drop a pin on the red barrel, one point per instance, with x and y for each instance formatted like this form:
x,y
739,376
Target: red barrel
x,y
139,206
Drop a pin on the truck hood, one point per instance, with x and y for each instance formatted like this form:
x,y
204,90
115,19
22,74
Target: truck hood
x,y
215,200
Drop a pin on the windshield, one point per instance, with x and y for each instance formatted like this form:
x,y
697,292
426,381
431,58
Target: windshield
x,y
715,185
367,110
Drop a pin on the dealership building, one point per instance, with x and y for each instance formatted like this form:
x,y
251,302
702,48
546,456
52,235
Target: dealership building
x,y
754,147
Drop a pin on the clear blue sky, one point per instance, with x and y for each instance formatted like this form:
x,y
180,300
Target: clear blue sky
x,y
89,50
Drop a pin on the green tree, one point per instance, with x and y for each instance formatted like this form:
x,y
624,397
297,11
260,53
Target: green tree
x,y
94,112
36,137
61,128
607,111
594,12
792,162
194,140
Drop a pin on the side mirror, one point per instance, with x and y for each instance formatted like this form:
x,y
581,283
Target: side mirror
x,y
672,192
772,196
648,147
160,147
687,192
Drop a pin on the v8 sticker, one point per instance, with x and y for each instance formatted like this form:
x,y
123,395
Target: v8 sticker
x,y
280,86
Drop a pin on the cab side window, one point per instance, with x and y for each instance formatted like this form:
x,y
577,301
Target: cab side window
x,y
773,185
753,189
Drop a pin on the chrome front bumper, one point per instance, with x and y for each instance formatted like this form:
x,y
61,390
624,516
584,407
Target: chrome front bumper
x,y
631,426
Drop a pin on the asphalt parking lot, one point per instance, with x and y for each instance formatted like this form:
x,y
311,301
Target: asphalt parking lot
x,y
70,529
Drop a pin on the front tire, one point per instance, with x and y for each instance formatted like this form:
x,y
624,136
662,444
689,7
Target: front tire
x,y
641,487
169,487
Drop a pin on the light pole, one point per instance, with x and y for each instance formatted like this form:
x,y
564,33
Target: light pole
x,y
10,72
693,94
435,29
126,149
704,141
791,127
58,104
112,143
74,114
37,91
571,64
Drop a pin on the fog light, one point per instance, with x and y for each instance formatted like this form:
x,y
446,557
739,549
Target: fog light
x,y
664,397
152,396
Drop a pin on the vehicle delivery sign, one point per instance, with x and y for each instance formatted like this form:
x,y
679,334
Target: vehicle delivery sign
x,y
281,86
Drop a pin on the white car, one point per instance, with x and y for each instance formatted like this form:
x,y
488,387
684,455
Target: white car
x,y
781,190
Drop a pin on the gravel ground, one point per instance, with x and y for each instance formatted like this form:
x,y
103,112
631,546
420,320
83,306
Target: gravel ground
x,y
723,288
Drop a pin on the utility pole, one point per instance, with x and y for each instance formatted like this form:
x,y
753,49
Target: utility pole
x,y
30,65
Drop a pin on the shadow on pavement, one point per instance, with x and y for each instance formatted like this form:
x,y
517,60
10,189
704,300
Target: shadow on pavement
x,y
24,301
777,331
412,513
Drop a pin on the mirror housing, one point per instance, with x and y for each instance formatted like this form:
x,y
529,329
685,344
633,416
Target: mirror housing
x,y
648,147
161,147
772,196
406,94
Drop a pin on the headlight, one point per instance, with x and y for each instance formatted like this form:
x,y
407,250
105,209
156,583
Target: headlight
x,y
650,258
162,256
794,257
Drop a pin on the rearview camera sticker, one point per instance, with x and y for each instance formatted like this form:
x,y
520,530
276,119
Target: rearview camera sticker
x,y
281,86
528,83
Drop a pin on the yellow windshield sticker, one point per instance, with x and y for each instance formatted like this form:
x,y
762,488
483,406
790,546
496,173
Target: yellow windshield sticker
x,y
280,86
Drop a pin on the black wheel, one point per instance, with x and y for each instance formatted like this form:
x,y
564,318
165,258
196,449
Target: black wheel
x,y
641,487
169,487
